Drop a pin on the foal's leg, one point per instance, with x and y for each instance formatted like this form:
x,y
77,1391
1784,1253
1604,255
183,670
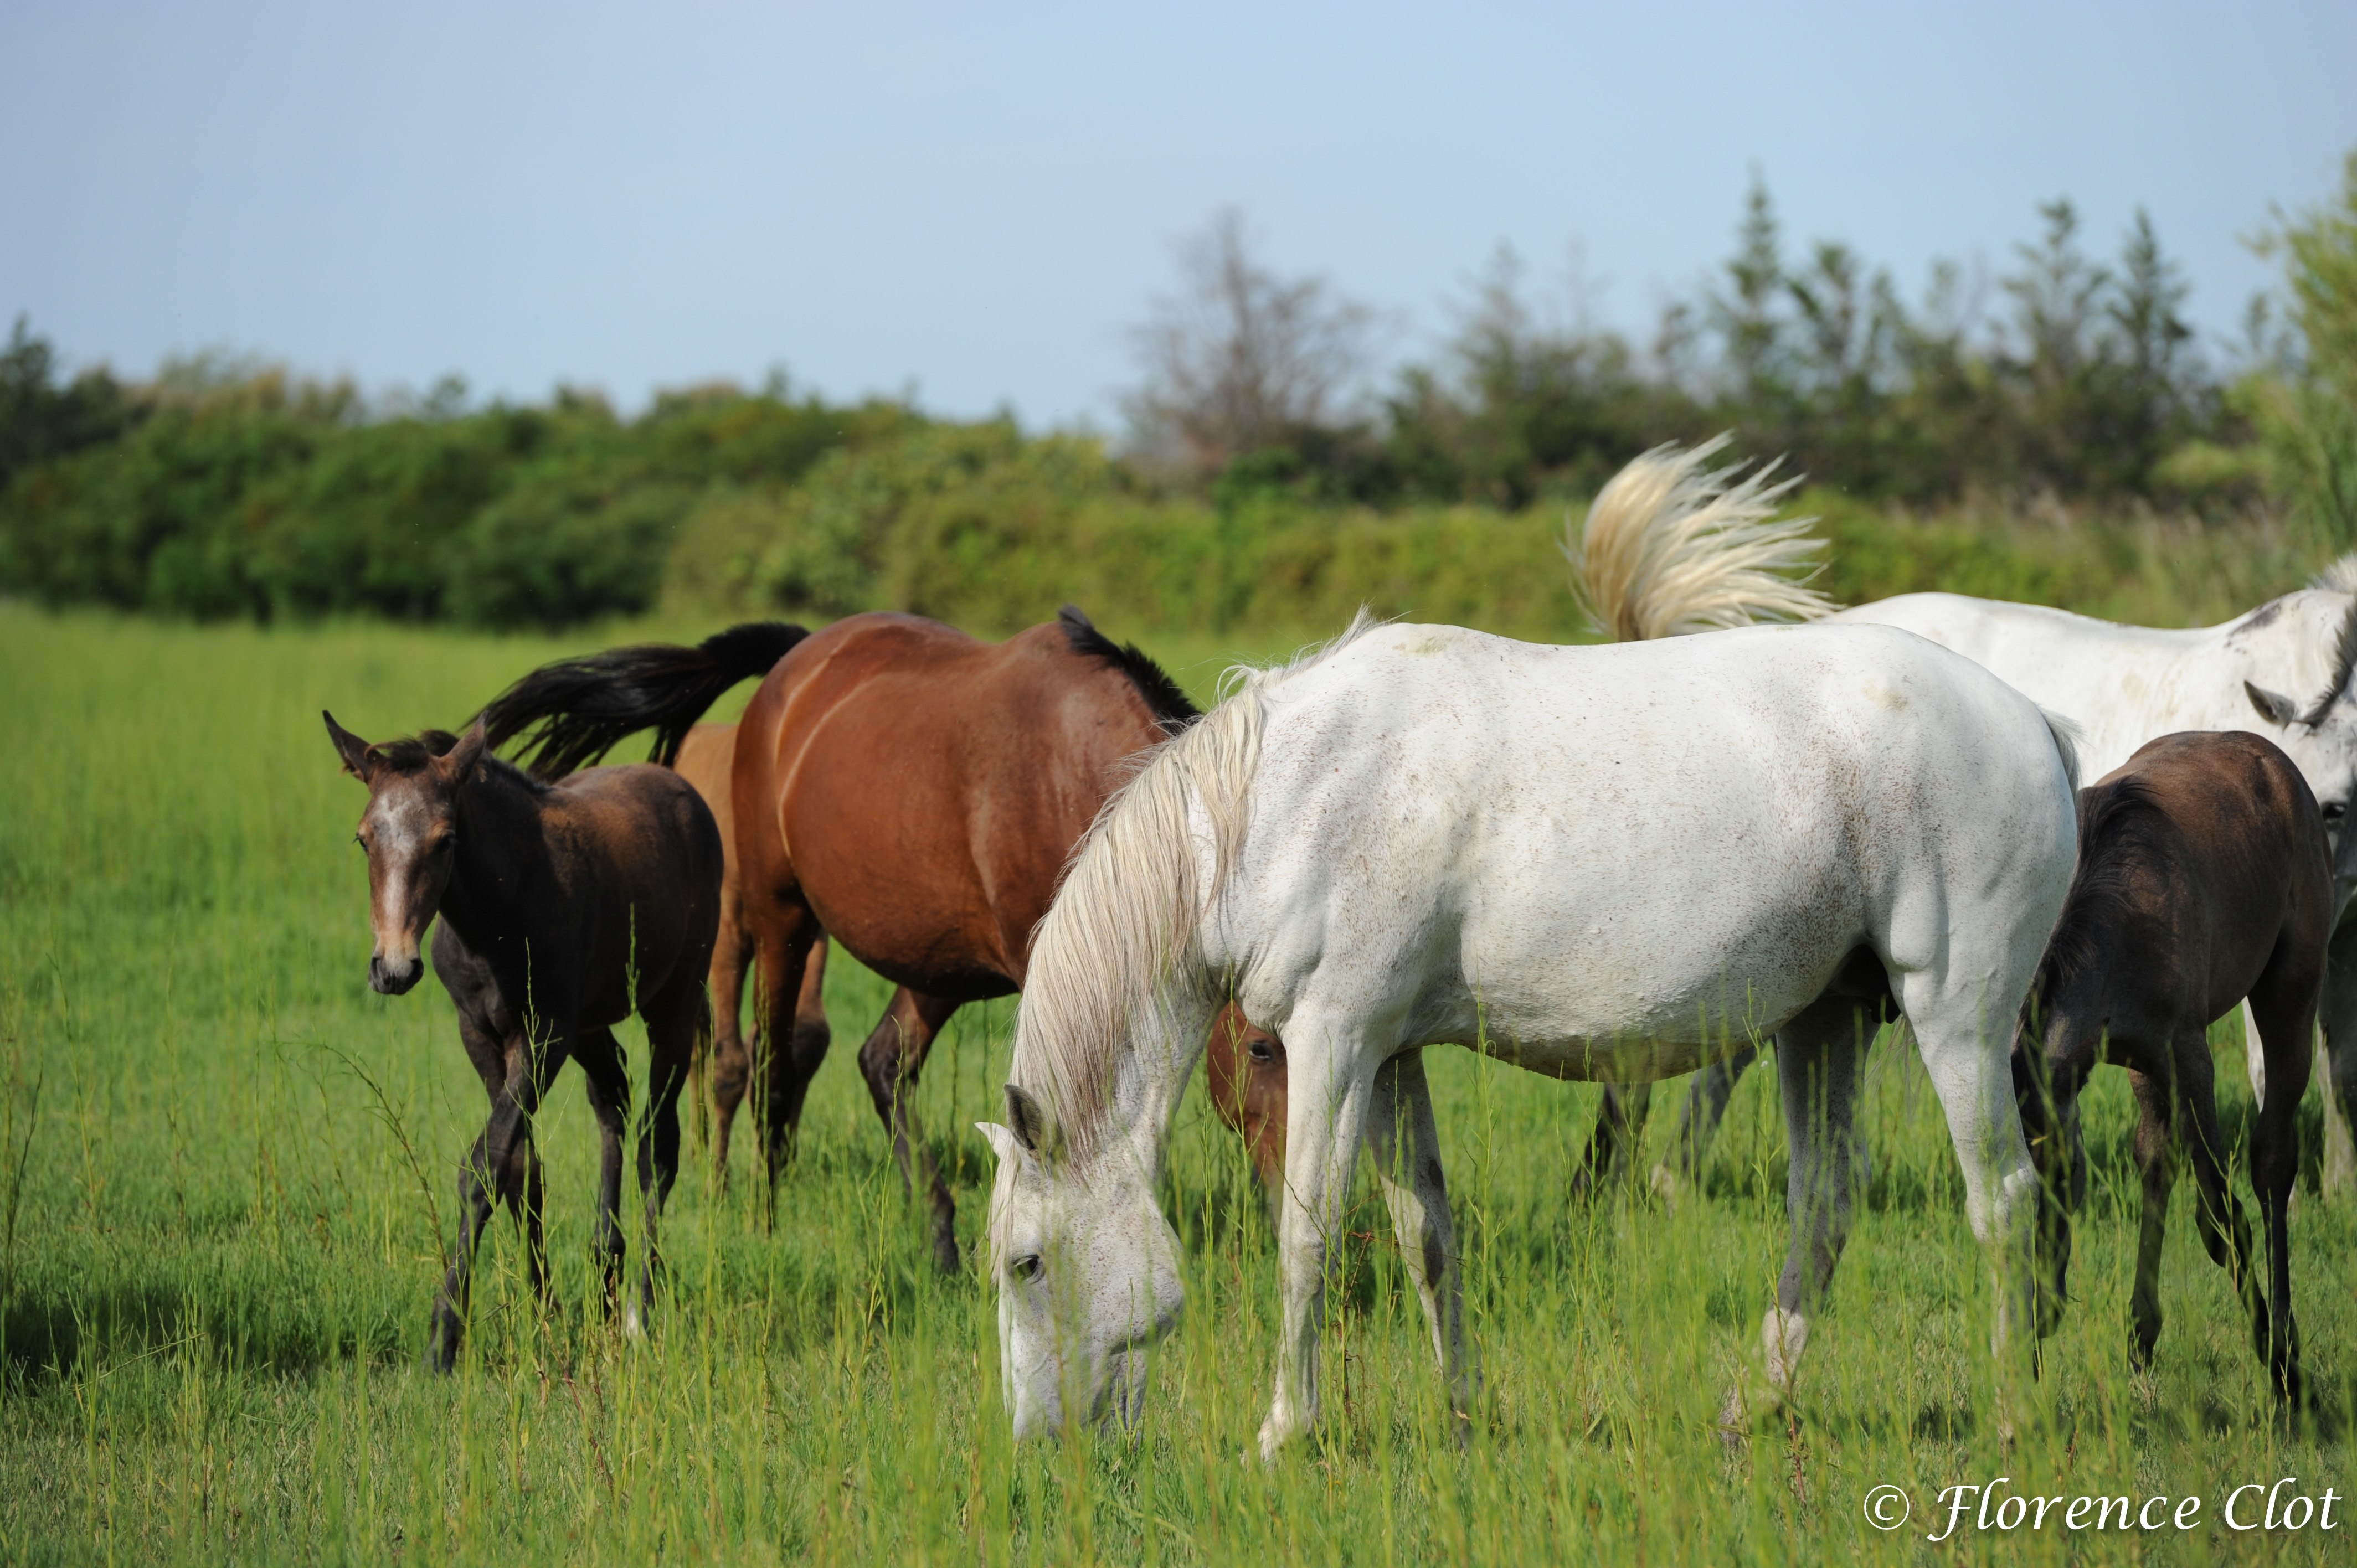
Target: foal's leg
x,y
1407,1149
2156,1161
2224,1229
2287,1023
1329,1092
1619,1131
890,1061
672,1018
1698,1120
609,1103
491,1167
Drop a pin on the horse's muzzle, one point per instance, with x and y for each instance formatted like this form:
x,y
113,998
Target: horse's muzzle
x,y
390,981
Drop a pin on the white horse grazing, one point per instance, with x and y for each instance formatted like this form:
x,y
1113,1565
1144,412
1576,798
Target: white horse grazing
x,y
1596,863
1656,559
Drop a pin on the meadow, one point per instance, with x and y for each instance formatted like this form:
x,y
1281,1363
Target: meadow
x,y
227,1177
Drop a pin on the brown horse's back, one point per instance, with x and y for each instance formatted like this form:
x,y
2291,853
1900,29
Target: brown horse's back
x,y
2222,854
653,898
928,788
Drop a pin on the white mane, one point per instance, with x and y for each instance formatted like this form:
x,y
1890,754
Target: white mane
x,y
1671,547
1122,933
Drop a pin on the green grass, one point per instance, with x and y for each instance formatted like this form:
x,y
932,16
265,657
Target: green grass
x,y
238,1172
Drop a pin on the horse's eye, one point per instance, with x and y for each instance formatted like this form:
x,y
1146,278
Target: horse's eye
x,y
2334,810
362,841
1261,1053
1025,1268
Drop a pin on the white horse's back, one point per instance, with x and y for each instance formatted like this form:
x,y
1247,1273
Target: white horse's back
x,y
1612,861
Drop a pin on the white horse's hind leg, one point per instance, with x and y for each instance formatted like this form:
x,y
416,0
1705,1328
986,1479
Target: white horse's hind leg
x,y
1967,1050
1817,1055
1407,1148
1326,1120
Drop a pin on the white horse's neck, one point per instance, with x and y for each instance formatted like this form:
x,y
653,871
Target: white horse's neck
x,y
1148,1084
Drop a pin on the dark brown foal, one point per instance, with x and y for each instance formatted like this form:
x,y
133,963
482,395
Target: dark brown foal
x,y
2202,880
563,909
705,757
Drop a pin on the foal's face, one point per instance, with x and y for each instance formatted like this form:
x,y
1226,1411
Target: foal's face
x,y
410,834
1087,1271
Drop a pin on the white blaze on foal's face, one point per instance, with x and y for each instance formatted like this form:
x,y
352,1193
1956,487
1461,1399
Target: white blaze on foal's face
x,y
1087,1271
410,834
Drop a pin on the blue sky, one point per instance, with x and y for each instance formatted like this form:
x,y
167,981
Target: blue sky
x,y
976,200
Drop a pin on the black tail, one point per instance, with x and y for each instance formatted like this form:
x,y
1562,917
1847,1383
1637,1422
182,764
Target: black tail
x,y
574,711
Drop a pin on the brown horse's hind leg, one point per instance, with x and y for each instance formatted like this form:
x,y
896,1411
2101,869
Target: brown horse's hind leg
x,y
609,1103
785,1058
2284,1006
2155,1158
732,1063
672,1019
2224,1229
890,1061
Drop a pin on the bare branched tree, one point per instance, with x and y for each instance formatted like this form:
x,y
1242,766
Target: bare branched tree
x,y
1240,357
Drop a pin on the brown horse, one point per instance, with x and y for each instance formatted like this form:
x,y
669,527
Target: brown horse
x,y
904,788
562,909
705,759
2202,880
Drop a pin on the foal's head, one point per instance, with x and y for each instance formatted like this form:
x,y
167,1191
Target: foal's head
x,y
411,833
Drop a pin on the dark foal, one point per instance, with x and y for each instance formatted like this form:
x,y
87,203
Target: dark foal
x,y
2202,880
563,908
705,757
898,786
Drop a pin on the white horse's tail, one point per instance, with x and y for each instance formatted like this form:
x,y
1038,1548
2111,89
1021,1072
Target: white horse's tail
x,y
1672,547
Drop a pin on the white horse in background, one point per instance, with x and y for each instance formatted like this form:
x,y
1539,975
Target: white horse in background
x,y
1594,862
1672,547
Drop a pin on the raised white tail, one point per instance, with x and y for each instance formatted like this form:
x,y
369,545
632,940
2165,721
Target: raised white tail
x,y
1671,547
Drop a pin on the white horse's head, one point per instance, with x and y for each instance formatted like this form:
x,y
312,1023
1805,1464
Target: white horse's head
x,y
1087,1270
2321,737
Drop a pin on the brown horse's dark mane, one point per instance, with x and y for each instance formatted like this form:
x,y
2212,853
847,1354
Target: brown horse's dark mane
x,y
1170,706
410,754
2129,824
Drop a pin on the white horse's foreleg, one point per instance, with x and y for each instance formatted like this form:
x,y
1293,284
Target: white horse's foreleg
x,y
1326,1120
1407,1148
1816,1063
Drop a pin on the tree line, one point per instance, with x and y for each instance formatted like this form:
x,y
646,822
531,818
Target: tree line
x,y
1264,467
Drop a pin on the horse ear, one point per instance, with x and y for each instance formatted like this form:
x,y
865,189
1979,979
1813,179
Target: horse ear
x,y
460,759
1029,1120
1002,1143
350,747
2277,708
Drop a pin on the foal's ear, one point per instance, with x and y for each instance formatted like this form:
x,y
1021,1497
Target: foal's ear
x,y
460,759
1029,1121
2277,707
350,747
